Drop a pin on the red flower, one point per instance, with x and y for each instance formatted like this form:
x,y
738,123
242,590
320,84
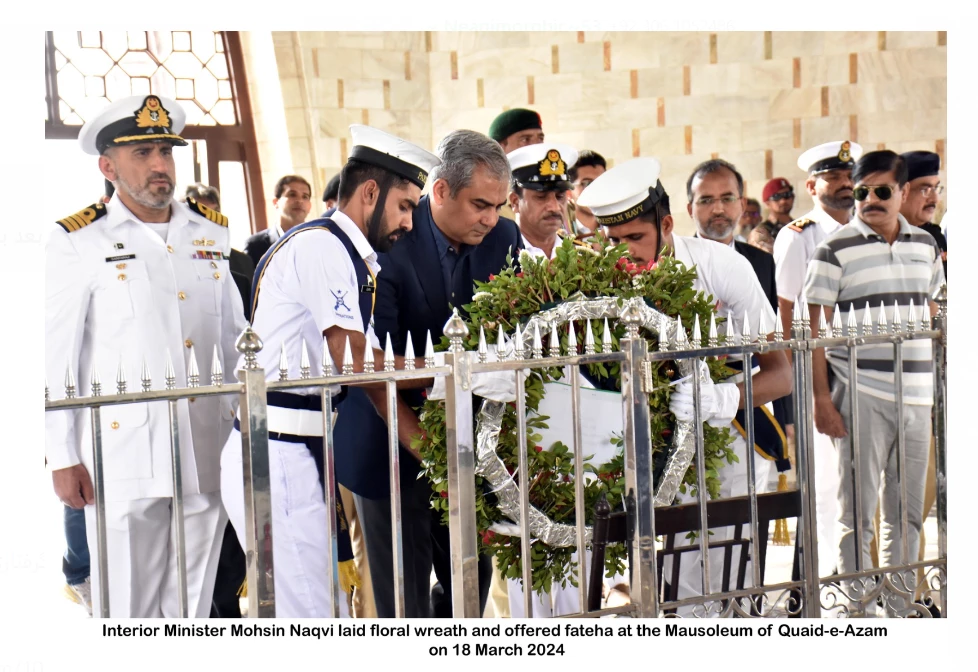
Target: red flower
x,y
666,432
539,449
424,394
487,537
622,263
491,277
444,493
520,274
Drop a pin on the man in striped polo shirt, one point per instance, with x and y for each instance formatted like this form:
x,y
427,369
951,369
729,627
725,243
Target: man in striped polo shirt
x,y
879,258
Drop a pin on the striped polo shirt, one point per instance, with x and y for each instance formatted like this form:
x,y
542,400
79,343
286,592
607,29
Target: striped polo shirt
x,y
855,265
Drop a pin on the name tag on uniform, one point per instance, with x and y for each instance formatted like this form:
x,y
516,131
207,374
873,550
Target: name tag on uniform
x,y
210,255
121,257
367,289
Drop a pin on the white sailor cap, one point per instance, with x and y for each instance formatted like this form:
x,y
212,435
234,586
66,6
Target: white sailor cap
x,y
371,145
830,156
132,120
625,192
543,166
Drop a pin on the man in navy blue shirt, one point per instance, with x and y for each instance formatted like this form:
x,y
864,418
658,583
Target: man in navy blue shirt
x,y
457,238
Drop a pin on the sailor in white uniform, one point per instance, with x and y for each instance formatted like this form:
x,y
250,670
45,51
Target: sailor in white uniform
x,y
632,207
132,282
318,281
829,168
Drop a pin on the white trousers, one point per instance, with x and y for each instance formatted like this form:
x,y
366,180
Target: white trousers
x,y
560,601
733,483
826,502
299,539
141,546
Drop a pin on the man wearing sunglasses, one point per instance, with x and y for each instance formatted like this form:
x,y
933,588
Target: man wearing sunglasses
x,y
878,260
829,168
779,197
924,195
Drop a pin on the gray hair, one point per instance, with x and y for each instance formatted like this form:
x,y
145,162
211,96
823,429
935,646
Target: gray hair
x,y
461,152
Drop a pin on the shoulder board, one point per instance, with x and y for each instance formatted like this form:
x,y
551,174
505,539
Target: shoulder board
x,y
207,213
83,218
800,224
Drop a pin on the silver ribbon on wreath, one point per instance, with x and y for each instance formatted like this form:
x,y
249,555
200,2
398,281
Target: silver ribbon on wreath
x,y
489,420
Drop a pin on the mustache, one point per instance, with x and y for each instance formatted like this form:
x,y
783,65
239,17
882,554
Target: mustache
x,y
159,176
873,208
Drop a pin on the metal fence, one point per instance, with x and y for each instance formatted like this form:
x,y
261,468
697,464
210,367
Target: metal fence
x,y
807,594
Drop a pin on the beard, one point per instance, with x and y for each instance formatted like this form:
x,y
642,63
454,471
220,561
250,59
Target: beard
x,y
718,228
147,195
378,236
836,202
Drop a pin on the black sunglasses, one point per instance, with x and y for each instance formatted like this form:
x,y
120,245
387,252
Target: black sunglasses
x,y
783,197
883,192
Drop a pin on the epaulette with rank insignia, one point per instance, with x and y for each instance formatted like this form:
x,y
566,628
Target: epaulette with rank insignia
x,y
204,211
83,218
799,224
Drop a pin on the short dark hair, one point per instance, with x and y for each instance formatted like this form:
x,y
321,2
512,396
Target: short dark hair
x,y
755,203
587,157
200,191
286,181
356,172
332,191
713,166
882,161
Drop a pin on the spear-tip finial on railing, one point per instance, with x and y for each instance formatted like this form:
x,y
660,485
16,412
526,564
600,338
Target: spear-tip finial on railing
x,y
712,339
851,326
483,346
823,325
249,344
429,351
193,374
520,353
746,337
217,371
457,332
881,325
697,336
779,327
305,367
867,321
347,358
120,377
283,364
571,338
144,376
409,353
588,339
836,322
96,383
606,344
326,362
911,318
388,355
169,373
897,319
368,357
70,388
631,317
681,341
537,342
554,340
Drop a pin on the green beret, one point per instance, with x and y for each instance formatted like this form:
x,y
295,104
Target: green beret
x,y
513,121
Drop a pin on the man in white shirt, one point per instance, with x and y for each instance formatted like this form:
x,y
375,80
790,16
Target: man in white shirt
x,y
318,282
829,168
631,205
133,283
540,192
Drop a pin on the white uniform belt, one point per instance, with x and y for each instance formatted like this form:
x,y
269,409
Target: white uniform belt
x,y
299,422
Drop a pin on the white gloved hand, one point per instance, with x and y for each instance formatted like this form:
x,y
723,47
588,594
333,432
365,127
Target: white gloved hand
x,y
494,385
718,401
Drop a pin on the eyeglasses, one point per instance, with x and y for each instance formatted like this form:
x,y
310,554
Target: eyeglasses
x,y
927,190
883,192
783,197
708,201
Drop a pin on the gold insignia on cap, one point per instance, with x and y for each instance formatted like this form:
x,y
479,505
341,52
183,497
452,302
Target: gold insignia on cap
x,y
553,164
422,177
152,114
844,154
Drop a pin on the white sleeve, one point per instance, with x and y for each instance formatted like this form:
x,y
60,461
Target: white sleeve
x,y
67,293
743,294
790,264
327,281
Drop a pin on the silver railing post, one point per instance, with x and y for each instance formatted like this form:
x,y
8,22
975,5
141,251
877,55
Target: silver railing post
x,y
461,474
644,587
801,363
98,484
940,433
253,414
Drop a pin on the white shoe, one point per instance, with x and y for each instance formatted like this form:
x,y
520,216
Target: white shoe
x,y
81,593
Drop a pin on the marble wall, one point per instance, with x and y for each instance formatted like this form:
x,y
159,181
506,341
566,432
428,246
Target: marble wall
x,y
757,99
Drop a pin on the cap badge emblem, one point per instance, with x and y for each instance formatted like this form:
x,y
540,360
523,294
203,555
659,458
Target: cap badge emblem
x,y
553,164
152,114
844,154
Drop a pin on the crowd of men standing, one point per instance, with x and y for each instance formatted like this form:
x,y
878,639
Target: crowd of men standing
x,y
403,236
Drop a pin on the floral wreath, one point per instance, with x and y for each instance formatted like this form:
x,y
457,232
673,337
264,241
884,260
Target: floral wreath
x,y
578,285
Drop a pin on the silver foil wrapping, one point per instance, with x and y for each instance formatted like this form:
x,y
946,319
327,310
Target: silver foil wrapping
x,y
489,420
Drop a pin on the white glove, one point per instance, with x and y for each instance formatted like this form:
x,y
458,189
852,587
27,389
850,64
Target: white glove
x,y
494,385
718,401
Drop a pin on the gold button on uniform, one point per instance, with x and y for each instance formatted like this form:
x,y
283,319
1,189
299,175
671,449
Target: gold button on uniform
x,y
169,248
115,425
181,295
213,264
217,276
120,266
188,343
122,276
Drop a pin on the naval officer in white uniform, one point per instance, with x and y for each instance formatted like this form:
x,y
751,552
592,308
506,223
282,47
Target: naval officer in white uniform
x,y
829,168
317,282
632,207
136,280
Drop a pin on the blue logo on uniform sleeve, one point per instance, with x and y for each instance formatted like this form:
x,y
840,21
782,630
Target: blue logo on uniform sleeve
x,y
340,303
